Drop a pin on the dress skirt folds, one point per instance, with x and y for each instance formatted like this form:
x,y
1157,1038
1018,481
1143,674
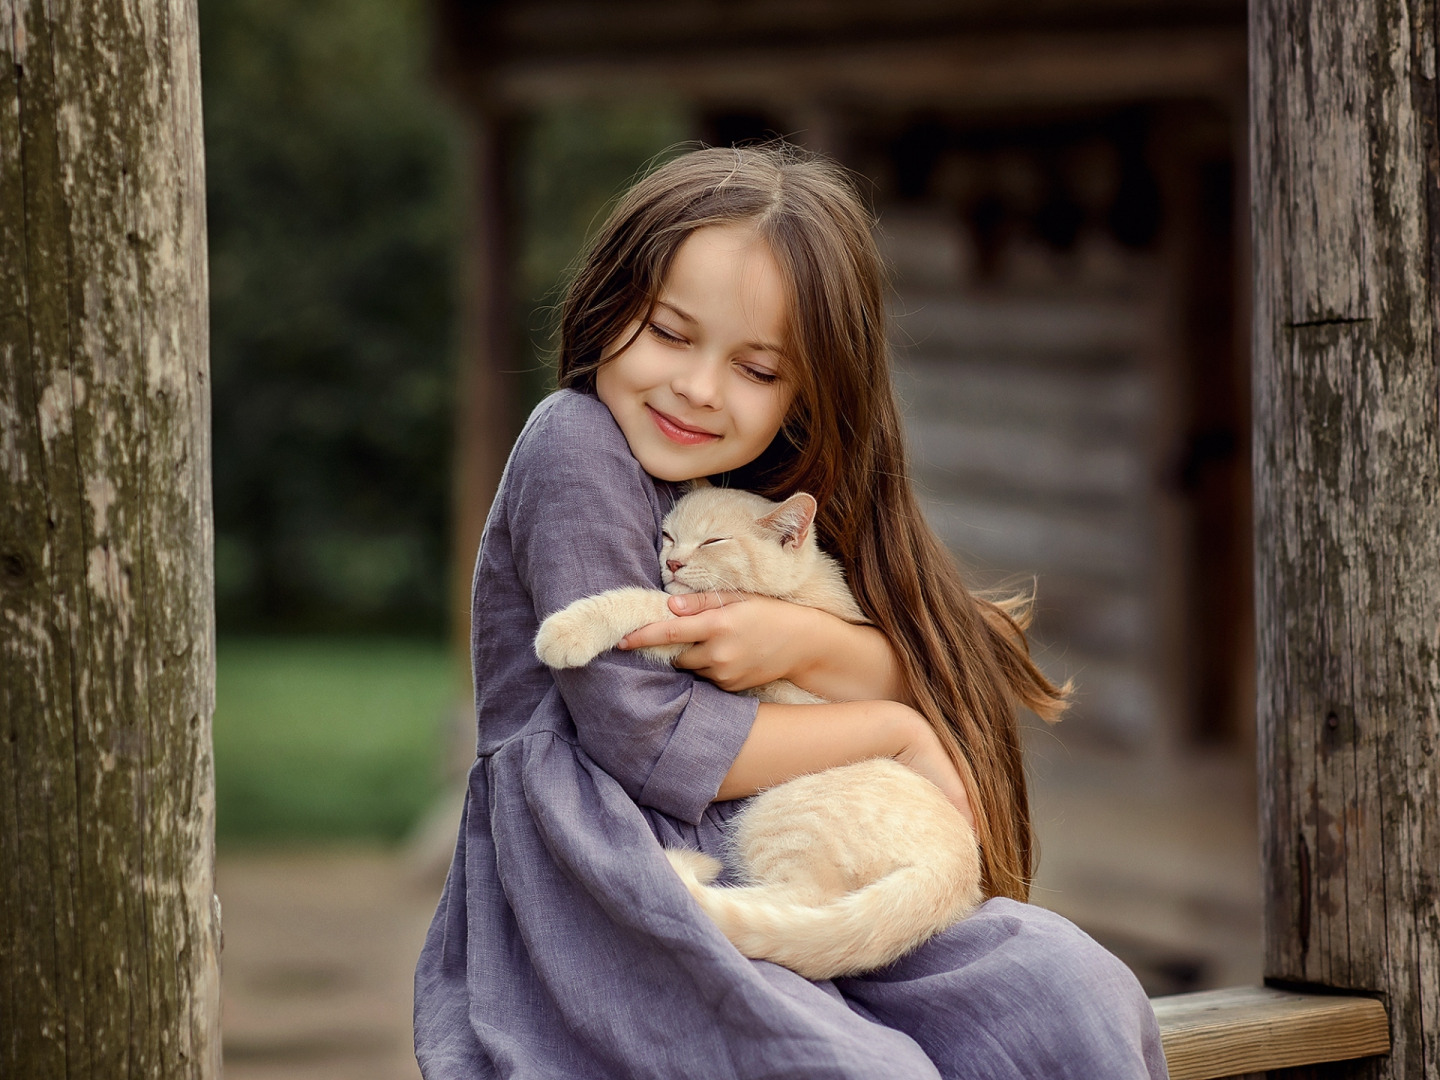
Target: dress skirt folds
x,y
564,946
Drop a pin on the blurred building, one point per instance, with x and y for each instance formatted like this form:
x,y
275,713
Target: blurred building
x,y
1060,191
1060,186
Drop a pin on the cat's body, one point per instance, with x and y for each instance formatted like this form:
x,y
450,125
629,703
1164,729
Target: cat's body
x,y
844,870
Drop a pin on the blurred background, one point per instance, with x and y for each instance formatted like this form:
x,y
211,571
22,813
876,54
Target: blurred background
x,y
396,188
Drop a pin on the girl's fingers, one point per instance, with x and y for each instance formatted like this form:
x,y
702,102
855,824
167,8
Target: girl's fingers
x,y
684,630
668,632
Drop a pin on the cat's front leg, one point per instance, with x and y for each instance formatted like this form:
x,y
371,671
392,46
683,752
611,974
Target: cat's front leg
x,y
576,634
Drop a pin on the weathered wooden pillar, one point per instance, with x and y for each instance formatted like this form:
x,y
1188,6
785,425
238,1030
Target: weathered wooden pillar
x,y
109,933
1347,485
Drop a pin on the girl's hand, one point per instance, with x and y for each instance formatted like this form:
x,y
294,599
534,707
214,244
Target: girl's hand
x,y
737,640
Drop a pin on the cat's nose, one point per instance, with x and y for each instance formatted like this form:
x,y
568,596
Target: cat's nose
x,y
673,565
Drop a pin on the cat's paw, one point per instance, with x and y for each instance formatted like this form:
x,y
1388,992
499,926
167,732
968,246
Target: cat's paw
x,y
566,640
694,867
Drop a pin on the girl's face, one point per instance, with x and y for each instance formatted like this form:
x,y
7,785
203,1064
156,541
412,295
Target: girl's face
x,y
701,390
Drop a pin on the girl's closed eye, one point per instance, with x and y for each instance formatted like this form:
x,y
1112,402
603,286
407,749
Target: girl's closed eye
x,y
669,337
760,374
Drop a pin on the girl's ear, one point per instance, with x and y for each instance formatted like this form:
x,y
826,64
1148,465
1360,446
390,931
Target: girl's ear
x,y
791,520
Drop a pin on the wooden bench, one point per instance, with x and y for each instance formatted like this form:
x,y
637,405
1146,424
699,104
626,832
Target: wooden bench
x,y
1244,1030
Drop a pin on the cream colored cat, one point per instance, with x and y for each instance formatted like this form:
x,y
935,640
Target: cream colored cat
x,y
713,538
847,869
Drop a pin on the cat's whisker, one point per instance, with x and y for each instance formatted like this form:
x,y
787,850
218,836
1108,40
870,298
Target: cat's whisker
x,y
723,585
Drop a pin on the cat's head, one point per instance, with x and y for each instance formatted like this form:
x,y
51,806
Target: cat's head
x,y
721,538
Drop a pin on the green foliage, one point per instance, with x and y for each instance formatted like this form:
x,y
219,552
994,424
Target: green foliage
x,y
332,206
328,738
334,215
575,159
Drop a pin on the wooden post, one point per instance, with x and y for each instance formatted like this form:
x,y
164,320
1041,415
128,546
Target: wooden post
x,y
109,931
490,394
1347,482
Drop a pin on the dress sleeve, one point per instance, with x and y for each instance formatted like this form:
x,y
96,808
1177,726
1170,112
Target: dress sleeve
x,y
582,516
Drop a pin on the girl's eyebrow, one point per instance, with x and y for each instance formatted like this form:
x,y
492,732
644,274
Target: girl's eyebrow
x,y
758,346
676,311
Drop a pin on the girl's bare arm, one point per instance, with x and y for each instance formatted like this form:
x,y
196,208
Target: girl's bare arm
x,y
791,740
841,661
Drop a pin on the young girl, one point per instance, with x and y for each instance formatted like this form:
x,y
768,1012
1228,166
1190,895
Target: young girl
x,y
728,322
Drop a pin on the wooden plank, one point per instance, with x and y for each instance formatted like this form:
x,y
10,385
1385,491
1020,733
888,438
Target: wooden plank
x,y
1226,1033
1068,326
1079,467
1020,536
980,70
570,26
1099,620
1036,391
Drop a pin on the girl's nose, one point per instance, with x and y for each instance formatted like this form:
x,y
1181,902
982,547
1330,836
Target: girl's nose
x,y
673,564
699,384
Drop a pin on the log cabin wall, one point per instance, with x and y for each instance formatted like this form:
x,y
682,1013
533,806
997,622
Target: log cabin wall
x,y
1043,290
1056,184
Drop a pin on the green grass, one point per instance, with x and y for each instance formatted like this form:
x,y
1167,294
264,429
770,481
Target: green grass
x,y
328,738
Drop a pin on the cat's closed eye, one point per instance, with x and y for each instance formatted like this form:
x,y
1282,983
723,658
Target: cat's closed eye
x,y
715,540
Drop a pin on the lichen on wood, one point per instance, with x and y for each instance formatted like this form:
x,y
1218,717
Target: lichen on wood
x,y
109,940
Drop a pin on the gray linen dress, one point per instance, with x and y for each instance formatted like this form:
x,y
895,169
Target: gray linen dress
x,y
564,946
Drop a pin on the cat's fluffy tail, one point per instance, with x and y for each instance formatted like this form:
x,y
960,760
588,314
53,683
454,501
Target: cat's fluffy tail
x,y
860,931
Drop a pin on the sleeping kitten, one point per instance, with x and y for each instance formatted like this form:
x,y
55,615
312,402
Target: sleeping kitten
x,y
713,538
846,869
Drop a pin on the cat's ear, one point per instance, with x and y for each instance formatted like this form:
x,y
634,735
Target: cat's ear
x,y
791,520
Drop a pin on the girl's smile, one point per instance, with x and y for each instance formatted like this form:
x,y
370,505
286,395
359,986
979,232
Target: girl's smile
x,y
677,432
701,389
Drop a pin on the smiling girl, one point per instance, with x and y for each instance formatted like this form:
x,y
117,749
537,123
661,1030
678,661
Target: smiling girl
x,y
728,322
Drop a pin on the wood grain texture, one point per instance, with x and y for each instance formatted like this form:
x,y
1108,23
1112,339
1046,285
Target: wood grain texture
x,y
109,932
1227,1033
1346,456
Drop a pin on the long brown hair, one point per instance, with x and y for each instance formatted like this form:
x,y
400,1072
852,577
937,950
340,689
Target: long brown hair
x,y
964,656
